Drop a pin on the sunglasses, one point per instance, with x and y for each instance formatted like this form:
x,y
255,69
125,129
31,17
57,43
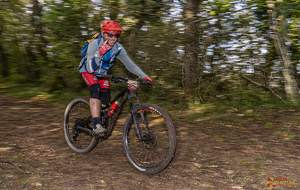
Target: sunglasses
x,y
110,35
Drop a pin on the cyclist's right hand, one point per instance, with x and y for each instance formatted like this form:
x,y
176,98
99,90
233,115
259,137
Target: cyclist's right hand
x,y
104,48
149,80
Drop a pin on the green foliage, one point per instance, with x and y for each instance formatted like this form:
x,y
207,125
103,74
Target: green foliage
x,y
218,7
242,97
19,90
42,42
66,23
10,15
290,11
269,125
148,7
287,13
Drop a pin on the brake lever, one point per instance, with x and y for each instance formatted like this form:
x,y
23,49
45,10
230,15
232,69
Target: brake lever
x,y
115,80
146,82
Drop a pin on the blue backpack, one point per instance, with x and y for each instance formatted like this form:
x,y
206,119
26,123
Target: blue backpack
x,y
86,45
85,48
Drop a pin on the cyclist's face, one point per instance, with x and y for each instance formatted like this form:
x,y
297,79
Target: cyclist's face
x,y
111,40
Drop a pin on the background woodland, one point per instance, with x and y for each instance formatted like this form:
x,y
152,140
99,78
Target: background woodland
x,y
195,50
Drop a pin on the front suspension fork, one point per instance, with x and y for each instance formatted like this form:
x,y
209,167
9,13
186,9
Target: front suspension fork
x,y
134,116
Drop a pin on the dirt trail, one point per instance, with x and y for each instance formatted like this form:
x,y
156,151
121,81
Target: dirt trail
x,y
211,155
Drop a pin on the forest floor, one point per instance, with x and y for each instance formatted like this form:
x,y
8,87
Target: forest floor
x,y
227,150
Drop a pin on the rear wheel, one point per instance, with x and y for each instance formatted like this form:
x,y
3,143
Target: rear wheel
x,y
156,148
78,126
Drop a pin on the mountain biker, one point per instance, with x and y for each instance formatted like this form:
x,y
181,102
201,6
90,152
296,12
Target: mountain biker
x,y
101,56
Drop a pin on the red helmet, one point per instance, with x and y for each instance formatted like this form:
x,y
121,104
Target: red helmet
x,y
111,26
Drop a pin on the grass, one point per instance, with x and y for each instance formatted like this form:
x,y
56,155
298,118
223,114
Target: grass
x,y
242,107
36,91
269,125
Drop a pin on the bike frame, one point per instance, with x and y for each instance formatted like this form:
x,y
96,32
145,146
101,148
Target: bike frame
x,y
127,94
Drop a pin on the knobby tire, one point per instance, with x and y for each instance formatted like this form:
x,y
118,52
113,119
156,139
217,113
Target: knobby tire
x,y
77,109
153,155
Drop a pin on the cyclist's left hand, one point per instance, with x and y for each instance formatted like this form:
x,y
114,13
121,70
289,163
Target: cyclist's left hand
x,y
150,80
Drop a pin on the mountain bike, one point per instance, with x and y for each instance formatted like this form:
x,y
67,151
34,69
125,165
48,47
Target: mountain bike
x,y
149,135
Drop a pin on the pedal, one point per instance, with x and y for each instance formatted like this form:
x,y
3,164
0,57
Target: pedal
x,y
102,135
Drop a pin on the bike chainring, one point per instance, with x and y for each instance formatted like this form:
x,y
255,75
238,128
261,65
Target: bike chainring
x,y
83,122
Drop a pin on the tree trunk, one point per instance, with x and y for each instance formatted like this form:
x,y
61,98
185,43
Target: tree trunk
x,y
279,37
4,64
133,35
35,21
113,14
3,57
191,36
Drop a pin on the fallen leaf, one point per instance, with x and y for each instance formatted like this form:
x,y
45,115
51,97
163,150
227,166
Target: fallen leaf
x,y
5,148
198,165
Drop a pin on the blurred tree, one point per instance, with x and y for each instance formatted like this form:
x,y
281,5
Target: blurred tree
x,y
280,38
280,13
69,24
3,58
37,57
138,12
112,8
191,37
194,45
8,11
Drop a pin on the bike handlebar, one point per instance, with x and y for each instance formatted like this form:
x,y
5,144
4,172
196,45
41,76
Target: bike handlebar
x,y
116,79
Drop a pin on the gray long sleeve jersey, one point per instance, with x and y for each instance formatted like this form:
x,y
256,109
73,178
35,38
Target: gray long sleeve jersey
x,y
96,65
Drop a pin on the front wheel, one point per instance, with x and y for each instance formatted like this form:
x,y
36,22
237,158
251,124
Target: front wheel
x,y
78,126
152,150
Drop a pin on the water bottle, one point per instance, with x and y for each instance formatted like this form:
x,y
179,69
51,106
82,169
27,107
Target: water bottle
x,y
112,108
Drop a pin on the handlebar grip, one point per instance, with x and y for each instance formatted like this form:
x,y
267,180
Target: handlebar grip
x,y
146,82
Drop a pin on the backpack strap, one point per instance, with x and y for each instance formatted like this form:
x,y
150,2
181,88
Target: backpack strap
x,y
98,44
95,36
114,55
84,49
82,62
